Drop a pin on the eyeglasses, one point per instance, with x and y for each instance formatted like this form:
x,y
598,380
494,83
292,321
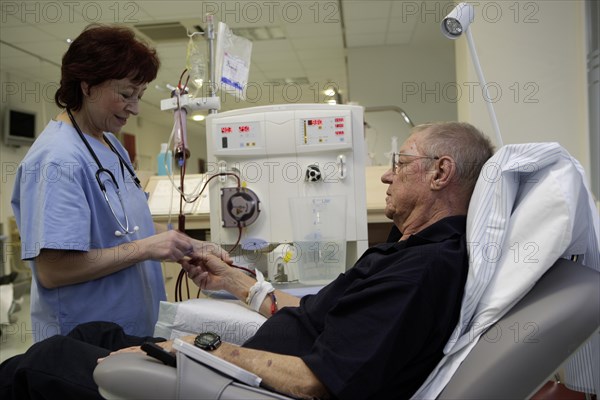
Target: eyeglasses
x,y
397,164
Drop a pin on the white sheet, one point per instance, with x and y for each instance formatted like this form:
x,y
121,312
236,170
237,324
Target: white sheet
x,y
531,206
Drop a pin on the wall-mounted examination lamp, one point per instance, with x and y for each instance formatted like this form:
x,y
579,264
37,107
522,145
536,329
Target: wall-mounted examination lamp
x,y
453,26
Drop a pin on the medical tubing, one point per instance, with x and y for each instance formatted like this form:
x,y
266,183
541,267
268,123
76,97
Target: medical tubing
x,y
181,152
181,221
179,126
196,196
170,172
182,170
274,305
179,281
192,197
178,284
212,71
180,277
237,243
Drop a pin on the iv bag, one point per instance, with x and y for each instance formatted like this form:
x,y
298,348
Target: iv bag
x,y
233,61
196,63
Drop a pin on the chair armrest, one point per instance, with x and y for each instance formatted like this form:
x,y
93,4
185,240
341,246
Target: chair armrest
x,y
134,376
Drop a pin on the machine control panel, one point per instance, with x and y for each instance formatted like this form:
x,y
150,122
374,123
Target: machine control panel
x,y
240,135
314,131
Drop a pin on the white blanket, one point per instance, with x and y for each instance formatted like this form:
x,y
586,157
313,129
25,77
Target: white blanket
x,y
531,205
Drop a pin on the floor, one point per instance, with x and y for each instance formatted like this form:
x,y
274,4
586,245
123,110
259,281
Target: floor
x,y
16,337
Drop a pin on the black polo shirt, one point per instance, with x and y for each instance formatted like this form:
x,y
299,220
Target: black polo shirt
x,y
379,329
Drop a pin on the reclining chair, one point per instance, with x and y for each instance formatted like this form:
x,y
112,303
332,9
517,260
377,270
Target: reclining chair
x,y
522,316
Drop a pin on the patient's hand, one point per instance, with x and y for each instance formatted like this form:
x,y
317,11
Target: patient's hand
x,y
133,349
207,271
210,272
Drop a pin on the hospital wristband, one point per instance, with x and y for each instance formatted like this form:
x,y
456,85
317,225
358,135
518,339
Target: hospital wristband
x,y
258,292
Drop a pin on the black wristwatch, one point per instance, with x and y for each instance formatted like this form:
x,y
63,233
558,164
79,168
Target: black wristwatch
x,y
208,341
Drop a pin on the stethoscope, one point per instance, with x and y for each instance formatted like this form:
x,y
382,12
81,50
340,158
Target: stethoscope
x,y
101,170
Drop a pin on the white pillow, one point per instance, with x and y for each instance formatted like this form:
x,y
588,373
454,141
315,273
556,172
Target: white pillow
x,y
231,319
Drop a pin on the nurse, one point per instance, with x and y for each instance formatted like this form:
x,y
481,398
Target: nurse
x,y
82,215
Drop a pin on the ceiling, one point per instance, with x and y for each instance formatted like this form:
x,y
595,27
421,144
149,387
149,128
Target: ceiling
x,y
308,42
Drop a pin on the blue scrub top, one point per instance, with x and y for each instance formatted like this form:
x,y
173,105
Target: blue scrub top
x,y
58,204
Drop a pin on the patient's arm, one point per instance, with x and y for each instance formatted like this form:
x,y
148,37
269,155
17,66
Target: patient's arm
x,y
283,373
210,272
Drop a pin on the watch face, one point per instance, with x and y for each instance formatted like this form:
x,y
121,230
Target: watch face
x,y
208,341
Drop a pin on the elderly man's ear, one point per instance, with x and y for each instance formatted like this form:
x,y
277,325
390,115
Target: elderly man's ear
x,y
444,172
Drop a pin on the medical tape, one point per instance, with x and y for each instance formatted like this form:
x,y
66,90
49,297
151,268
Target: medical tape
x,y
258,291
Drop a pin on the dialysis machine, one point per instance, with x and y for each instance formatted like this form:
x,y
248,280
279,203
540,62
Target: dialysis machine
x,y
270,159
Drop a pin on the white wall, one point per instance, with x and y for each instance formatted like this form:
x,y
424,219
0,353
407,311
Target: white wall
x,y
534,59
420,80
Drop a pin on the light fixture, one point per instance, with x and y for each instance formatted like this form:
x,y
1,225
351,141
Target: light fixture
x,y
334,96
457,21
453,26
198,117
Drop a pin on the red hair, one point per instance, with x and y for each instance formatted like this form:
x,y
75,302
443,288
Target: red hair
x,y
101,53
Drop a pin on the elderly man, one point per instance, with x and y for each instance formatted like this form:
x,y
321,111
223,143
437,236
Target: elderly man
x,y
379,328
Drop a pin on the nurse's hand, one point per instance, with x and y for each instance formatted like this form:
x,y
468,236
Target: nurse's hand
x,y
201,247
166,246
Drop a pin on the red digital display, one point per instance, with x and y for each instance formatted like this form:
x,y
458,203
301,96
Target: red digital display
x,y
244,128
339,125
226,129
339,132
339,120
315,122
